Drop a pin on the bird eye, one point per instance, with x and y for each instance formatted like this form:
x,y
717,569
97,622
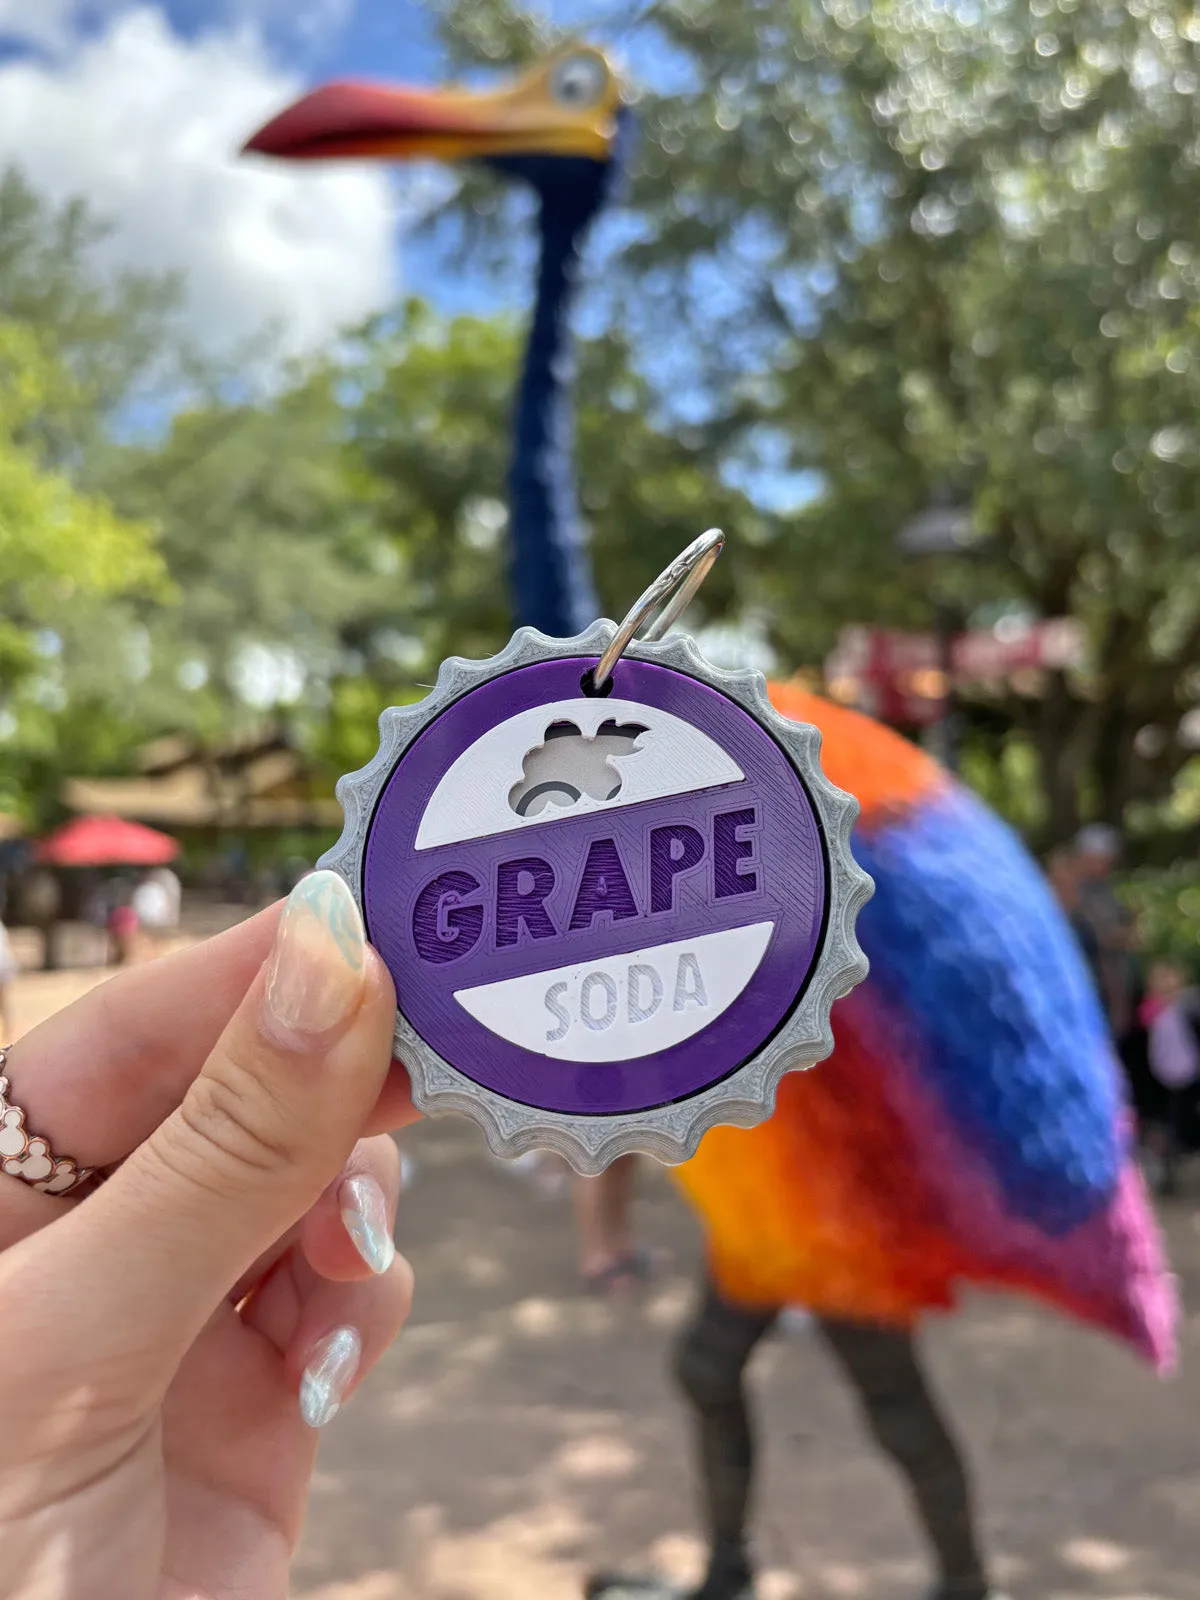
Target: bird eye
x,y
579,81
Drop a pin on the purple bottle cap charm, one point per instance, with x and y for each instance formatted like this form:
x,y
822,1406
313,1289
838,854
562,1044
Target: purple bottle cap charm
x,y
613,919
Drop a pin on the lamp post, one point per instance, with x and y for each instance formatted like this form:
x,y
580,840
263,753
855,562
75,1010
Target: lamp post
x,y
943,528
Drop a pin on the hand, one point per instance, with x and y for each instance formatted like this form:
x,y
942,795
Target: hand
x,y
168,1343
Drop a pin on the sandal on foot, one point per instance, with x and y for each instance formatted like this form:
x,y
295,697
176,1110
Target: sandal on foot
x,y
644,1263
617,1278
636,1266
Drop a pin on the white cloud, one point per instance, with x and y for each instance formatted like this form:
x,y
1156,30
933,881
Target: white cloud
x,y
147,127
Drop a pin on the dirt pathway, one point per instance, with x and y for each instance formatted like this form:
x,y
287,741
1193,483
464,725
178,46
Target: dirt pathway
x,y
520,1432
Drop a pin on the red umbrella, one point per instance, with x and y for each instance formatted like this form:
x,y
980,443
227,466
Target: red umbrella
x,y
106,842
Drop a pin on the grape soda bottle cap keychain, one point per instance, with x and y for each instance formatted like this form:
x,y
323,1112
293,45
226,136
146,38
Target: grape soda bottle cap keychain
x,y
611,883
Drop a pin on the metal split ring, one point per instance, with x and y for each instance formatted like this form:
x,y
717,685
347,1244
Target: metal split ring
x,y
671,591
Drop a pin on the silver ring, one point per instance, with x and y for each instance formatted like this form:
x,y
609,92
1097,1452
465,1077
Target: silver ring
x,y
672,590
28,1156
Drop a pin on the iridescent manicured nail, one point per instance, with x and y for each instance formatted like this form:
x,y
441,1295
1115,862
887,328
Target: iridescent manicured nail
x,y
364,1212
316,972
328,1375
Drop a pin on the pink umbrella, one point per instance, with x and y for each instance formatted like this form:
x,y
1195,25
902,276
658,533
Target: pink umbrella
x,y
106,842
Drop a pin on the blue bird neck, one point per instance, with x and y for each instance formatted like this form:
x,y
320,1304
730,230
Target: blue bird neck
x,y
551,566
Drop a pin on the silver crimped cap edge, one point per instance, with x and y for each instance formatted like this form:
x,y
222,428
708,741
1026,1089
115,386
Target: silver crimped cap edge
x,y
669,1133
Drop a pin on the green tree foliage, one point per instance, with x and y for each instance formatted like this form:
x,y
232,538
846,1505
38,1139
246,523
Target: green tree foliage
x,y
80,348
270,536
64,554
53,540
1166,903
957,245
111,333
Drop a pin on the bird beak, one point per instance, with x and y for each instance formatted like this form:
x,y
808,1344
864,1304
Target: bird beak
x,y
361,120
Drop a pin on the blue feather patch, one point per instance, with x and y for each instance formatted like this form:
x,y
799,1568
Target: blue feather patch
x,y
966,940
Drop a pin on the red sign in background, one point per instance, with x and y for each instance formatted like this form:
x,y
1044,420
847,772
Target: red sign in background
x,y
900,677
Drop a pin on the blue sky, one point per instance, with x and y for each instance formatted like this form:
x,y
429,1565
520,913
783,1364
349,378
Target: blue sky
x,y
322,37
387,38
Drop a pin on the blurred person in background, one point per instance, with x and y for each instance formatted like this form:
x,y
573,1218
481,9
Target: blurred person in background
x,y
168,879
156,902
9,971
41,907
1062,868
610,1260
93,901
1170,1014
236,876
1111,947
1113,940
122,926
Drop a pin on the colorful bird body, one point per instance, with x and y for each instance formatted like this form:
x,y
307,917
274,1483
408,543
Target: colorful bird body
x,y
970,1126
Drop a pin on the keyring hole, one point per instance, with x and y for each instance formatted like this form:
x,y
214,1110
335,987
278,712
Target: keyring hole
x,y
588,684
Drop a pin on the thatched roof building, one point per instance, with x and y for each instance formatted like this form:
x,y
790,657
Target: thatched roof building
x,y
258,781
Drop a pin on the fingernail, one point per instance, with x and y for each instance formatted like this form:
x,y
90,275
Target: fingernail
x,y
315,978
329,1373
364,1212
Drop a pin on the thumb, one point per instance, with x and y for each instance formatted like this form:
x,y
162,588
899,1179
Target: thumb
x,y
261,1132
